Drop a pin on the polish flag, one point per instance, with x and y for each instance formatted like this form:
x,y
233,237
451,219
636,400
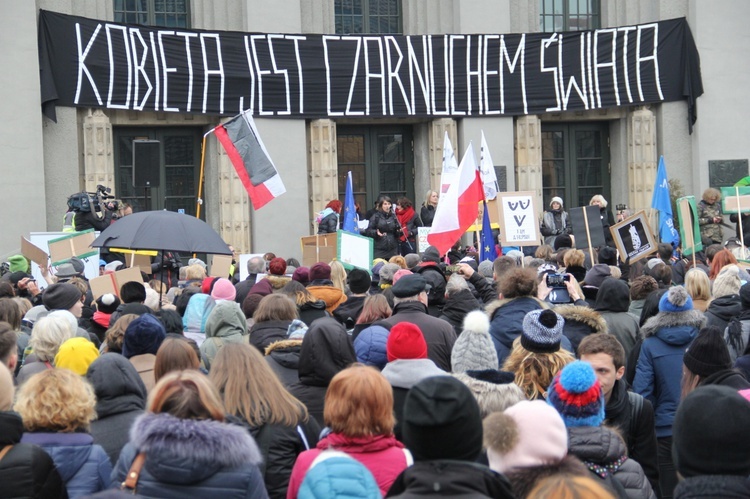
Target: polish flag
x,y
250,159
459,207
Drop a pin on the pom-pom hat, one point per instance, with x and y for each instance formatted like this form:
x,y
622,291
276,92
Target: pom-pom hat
x,y
676,299
107,303
576,394
542,331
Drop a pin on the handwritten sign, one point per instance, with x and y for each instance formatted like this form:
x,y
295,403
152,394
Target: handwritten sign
x,y
518,219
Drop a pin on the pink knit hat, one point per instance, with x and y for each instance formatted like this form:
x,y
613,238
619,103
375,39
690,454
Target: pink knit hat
x,y
223,290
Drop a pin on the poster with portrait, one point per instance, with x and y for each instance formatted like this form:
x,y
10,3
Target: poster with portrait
x,y
634,238
518,219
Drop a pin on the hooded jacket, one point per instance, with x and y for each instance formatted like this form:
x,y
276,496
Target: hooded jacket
x,y
712,486
457,306
192,458
329,294
120,398
264,333
450,478
722,309
312,310
225,324
283,357
658,371
613,302
329,221
26,470
435,277
196,314
326,350
83,465
579,323
604,453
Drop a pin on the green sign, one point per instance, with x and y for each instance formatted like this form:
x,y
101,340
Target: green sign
x,y
690,231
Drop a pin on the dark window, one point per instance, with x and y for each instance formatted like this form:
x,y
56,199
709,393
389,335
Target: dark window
x,y
368,17
569,15
167,13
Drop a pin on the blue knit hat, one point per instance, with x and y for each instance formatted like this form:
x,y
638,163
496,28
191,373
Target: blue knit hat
x,y
542,331
676,299
144,335
370,346
576,394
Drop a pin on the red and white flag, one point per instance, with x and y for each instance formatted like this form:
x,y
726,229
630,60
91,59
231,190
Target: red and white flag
x,y
459,207
254,166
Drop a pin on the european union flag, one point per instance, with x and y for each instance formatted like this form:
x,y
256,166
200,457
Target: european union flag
x,y
350,211
487,251
662,202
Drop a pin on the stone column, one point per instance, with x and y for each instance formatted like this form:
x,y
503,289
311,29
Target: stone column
x,y
529,156
234,204
438,128
323,165
98,161
642,164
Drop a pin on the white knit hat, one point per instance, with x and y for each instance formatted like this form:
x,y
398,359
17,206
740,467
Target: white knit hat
x,y
473,350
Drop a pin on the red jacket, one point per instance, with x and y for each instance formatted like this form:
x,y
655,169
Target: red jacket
x,y
383,455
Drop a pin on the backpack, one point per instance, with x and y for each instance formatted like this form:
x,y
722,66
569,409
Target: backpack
x,y
636,408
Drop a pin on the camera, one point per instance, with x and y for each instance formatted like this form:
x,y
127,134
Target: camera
x,y
557,280
558,290
621,207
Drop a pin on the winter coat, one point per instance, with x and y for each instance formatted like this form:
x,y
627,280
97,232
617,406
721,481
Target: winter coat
x,y
263,334
639,435
225,324
348,312
438,334
612,302
144,365
83,465
329,294
742,364
120,398
492,389
192,458
579,323
604,452
658,372
31,368
384,246
278,281
524,480
194,320
427,214
326,350
727,377
713,486
721,310
283,357
26,470
706,214
383,455
329,222
449,478
607,221
312,310
457,306
554,223
435,277
737,333
243,288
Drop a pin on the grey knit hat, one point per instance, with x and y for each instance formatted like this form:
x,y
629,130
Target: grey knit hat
x,y
542,331
387,271
473,350
486,268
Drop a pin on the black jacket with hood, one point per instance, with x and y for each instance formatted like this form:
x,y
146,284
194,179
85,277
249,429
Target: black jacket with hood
x,y
457,306
580,322
722,309
612,303
450,478
283,357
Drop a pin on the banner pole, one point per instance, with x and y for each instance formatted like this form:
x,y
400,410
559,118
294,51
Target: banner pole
x,y
588,236
199,201
739,218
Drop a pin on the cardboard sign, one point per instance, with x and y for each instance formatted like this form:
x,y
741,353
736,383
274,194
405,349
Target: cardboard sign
x,y
690,232
735,199
354,251
518,219
111,283
34,253
634,238
220,265
139,261
77,244
587,227
319,248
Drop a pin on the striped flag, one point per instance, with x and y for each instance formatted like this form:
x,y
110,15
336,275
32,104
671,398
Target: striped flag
x,y
250,159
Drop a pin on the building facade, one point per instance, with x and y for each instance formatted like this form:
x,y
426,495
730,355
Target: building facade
x,y
575,155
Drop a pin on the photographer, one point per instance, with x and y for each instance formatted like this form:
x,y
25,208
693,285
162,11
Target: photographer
x,y
93,211
166,268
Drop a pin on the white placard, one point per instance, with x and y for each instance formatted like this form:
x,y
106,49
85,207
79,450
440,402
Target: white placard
x,y
243,264
40,239
518,219
422,243
355,250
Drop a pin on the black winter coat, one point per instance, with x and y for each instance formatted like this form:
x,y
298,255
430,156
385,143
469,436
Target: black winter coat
x,y
263,334
120,399
384,246
713,486
457,306
427,214
580,322
310,311
329,224
26,470
348,312
283,357
721,310
435,277
450,478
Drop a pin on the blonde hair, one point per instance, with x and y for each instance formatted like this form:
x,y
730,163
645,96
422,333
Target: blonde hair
x,y
47,336
697,284
574,257
428,195
398,260
338,275
251,389
56,400
186,395
602,202
534,371
194,272
566,486
711,194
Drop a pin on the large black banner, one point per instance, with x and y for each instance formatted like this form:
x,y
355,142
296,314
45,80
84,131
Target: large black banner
x,y
90,63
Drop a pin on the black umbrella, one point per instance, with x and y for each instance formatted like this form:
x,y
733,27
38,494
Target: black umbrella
x,y
162,230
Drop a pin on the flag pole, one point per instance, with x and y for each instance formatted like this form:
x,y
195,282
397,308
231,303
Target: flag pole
x,y
739,218
199,201
588,236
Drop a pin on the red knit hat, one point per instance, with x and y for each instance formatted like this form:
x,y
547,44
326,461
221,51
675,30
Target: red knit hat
x,y
406,341
277,266
207,285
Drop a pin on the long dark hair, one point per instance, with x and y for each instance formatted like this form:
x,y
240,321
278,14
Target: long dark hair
x,y
651,305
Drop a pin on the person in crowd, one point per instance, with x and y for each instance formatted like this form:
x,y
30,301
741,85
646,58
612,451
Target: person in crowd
x,y
272,319
371,346
328,219
659,368
698,287
613,303
57,407
338,276
25,469
536,357
707,362
222,289
606,216
459,300
176,353
333,471
278,422
577,395
375,308
106,305
429,206
399,260
721,259
141,342
555,221
348,312
580,322
410,297
76,354
47,336
710,216
309,308
8,350
130,293
527,443
442,428
120,398
116,334
199,307
255,265
283,355
565,485
166,268
359,413
725,303
187,446
626,411
410,223
321,287
384,229
593,280
226,325
11,313
710,444
326,350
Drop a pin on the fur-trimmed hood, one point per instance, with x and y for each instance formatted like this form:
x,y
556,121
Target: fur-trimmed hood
x,y
283,345
523,480
493,390
693,319
585,315
278,281
185,451
491,307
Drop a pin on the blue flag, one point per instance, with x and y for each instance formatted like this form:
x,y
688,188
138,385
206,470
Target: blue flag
x,y
487,251
350,211
662,202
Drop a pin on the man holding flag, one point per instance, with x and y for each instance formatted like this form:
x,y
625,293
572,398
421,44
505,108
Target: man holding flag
x,y
661,201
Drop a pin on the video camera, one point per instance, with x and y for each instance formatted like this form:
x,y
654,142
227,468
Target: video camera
x,y
99,201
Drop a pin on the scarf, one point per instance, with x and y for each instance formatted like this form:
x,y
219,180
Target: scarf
x,y
404,217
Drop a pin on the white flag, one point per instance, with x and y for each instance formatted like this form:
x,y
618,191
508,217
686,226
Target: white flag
x,y
487,168
450,166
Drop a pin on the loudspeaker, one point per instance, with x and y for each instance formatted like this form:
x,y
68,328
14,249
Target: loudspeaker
x,y
146,165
